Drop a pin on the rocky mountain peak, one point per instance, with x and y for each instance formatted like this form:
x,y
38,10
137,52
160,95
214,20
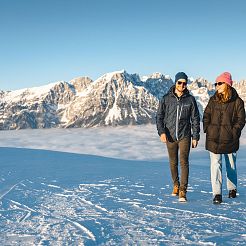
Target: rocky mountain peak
x,y
81,83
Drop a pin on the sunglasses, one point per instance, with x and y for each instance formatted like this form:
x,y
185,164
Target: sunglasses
x,y
219,83
181,83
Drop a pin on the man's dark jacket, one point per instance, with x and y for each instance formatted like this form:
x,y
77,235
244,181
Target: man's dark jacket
x,y
223,123
177,117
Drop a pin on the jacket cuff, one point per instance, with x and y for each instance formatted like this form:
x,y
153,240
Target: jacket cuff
x,y
161,132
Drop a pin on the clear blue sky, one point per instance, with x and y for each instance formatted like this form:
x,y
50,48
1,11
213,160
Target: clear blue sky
x,y
44,41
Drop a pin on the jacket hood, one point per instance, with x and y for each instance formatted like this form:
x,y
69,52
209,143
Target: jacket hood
x,y
172,89
233,97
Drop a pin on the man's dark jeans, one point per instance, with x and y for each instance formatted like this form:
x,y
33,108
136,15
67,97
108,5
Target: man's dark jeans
x,y
182,146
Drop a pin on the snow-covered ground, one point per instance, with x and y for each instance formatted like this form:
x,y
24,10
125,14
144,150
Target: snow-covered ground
x,y
113,188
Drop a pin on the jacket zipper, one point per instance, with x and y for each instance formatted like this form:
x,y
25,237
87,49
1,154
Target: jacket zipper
x,y
177,123
220,121
178,116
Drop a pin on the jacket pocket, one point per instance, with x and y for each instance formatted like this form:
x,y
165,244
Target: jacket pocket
x,y
236,133
226,134
186,112
212,132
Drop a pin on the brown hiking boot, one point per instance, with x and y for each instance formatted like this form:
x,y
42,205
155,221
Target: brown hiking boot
x,y
175,190
182,196
232,193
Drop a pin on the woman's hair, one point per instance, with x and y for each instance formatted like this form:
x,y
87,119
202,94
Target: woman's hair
x,y
223,98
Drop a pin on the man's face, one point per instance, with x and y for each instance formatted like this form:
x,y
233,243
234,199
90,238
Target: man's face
x,y
181,85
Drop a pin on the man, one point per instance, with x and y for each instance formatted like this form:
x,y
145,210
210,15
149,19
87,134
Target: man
x,y
178,121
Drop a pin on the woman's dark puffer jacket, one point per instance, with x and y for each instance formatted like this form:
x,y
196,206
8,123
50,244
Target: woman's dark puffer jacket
x,y
223,123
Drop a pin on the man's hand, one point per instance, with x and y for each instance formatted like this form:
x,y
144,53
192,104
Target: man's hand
x,y
163,138
194,143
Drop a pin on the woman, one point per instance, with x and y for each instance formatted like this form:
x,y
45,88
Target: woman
x,y
223,121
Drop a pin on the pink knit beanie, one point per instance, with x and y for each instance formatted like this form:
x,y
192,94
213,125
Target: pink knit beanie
x,y
225,77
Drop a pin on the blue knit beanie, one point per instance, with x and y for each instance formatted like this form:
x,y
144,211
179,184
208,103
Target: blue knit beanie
x,y
181,75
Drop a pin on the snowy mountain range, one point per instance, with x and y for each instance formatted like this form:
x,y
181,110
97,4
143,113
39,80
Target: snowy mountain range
x,y
116,98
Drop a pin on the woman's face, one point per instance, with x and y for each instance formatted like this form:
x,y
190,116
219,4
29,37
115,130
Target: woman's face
x,y
221,87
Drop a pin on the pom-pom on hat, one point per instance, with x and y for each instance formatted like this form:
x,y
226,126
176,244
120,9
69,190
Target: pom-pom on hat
x,y
225,77
181,75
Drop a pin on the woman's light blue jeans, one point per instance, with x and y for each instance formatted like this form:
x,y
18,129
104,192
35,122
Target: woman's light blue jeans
x,y
216,172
